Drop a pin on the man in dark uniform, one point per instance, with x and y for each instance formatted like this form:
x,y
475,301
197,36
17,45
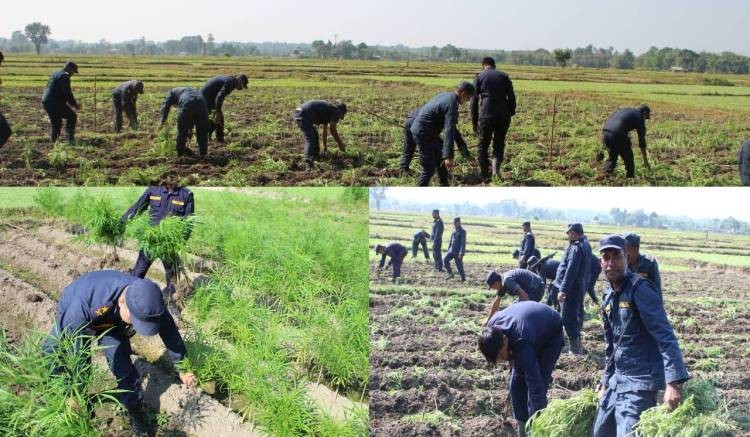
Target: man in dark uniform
x,y
164,201
124,97
642,355
319,112
521,283
571,281
5,131
644,265
437,240
57,101
546,268
498,101
215,91
397,253
116,306
529,336
616,138
528,245
420,238
744,159
410,146
440,113
193,114
456,250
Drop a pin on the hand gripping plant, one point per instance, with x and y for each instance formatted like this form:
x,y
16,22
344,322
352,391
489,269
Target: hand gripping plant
x,y
105,228
166,241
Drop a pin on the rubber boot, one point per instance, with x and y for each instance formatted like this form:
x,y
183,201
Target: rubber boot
x,y
575,346
496,168
521,429
138,422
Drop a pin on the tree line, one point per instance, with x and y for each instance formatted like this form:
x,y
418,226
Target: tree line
x,y
35,37
616,216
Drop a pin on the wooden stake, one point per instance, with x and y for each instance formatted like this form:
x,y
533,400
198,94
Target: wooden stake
x,y
95,103
552,131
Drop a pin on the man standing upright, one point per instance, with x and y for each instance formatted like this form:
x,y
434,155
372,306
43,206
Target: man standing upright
x,y
164,201
528,244
437,240
616,139
498,105
744,158
438,115
57,101
571,281
642,355
456,250
215,91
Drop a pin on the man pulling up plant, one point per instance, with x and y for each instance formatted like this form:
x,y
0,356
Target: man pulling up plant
x,y
114,306
163,201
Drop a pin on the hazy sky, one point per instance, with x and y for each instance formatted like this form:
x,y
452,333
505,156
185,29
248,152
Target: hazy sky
x,y
718,25
690,202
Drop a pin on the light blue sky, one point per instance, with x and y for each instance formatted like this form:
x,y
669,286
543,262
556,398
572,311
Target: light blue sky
x,y
696,203
716,26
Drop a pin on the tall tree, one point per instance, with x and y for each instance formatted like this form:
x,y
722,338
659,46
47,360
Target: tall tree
x,y
562,56
38,33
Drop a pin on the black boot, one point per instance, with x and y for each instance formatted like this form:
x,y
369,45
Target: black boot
x,y
575,346
138,422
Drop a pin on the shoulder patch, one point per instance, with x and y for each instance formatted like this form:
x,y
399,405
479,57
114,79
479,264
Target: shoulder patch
x,y
178,203
625,304
154,197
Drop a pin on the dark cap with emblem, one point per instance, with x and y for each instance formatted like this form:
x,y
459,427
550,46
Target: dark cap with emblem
x,y
493,277
575,227
612,242
146,306
632,239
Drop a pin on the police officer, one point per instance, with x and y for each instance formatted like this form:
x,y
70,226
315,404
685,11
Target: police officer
x,y
5,131
521,283
546,268
437,240
215,90
644,265
193,114
528,245
397,253
571,281
57,101
163,201
498,105
529,336
116,306
616,139
410,146
440,113
744,159
319,112
642,355
456,250
124,97
420,238
596,270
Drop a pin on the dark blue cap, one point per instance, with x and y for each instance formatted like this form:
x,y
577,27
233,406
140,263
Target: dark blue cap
x,y
146,306
633,239
379,247
493,277
466,86
612,242
436,211
516,253
575,227
457,220
71,66
526,223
